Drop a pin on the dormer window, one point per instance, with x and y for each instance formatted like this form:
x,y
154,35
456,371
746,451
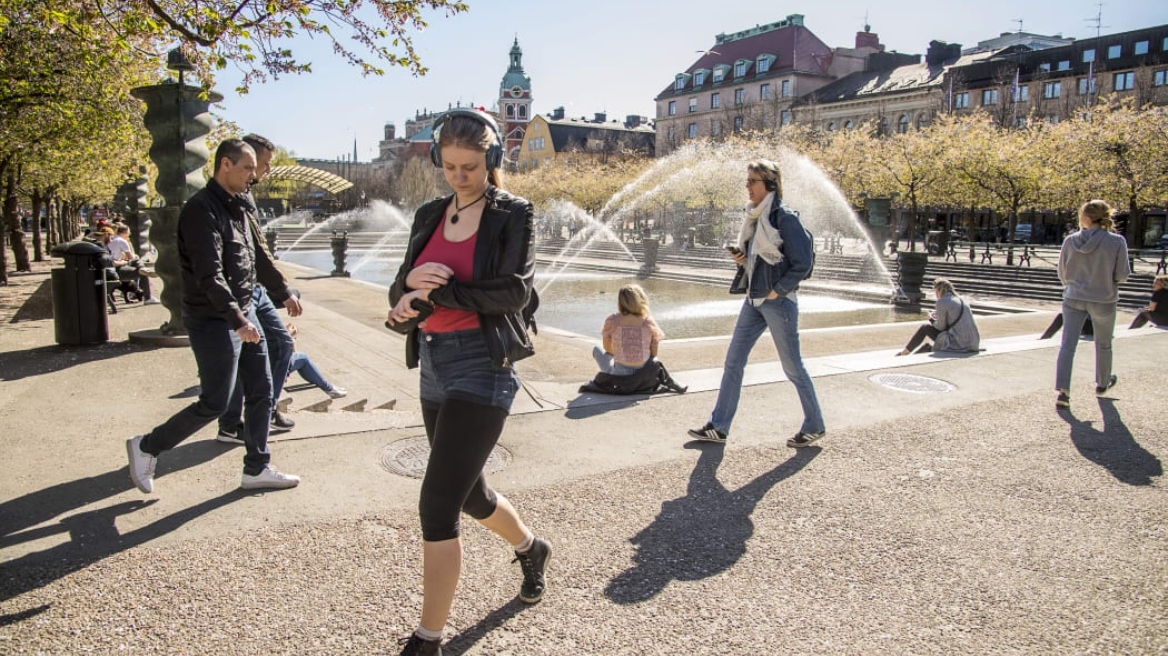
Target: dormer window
x,y
720,73
681,81
699,77
763,64
740,68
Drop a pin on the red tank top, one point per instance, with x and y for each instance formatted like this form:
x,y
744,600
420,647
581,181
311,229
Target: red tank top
x,y
458,255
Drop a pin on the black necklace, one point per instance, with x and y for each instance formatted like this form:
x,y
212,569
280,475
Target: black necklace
x,y
458,208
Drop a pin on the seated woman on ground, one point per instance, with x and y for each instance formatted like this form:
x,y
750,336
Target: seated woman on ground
x,y
301,364
1157,310
630,336
950,326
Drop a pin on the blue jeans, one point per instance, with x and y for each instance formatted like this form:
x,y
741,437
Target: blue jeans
x,y
781,316
308,371
1075,314
223,360
280,349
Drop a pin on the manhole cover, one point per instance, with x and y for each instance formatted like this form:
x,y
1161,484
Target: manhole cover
x,y
408,458
910,383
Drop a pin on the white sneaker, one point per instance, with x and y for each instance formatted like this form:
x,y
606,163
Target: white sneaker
x,y
152,301
338,393
141,464
269,479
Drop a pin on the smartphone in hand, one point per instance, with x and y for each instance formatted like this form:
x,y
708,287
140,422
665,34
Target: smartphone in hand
x,y
734,250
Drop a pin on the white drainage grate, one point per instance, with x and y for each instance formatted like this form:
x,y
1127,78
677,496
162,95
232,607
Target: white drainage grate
x,y
914,384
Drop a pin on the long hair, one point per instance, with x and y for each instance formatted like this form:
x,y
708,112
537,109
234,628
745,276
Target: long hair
x,y
633,300
1098,211
942,287
466,132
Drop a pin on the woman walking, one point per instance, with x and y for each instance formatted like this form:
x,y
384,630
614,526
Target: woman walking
x,y
1092,264
470,259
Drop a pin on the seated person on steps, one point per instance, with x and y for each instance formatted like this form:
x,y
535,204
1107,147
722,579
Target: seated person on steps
x,y
630,336
1157,310
950,326
301,364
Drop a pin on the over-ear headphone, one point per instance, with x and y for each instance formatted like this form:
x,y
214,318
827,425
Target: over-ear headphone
x,y
494,151
771,181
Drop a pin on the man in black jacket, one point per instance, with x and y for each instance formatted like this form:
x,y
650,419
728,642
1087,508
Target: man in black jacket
x,y
217,254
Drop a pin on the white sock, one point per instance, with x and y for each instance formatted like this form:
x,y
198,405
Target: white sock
x,y
525,545
427,634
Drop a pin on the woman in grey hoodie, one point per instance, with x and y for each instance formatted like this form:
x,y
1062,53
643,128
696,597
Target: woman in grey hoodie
x,y
1092,263
951,325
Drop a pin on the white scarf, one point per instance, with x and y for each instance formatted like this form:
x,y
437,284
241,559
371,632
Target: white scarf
x,y
768,246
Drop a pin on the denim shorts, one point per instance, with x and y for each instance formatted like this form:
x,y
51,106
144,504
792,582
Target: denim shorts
x,y
458,365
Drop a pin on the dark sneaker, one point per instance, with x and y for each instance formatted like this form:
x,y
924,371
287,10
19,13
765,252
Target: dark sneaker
x,y
1063,400
416,646
708,433
1110,383
280,423
534,564
234,436
802,439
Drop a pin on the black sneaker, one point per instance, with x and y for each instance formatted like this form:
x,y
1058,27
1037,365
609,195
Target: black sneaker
x,y
534,564
802,439
280,423
234,436
416,646
708,433
1110,383
1063,400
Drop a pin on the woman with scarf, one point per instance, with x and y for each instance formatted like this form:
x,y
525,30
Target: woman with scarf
x,y
776,253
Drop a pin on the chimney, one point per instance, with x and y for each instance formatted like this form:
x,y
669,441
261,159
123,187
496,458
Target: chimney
x,y
868,39
632,121
389,131
939,51
600,117
558,114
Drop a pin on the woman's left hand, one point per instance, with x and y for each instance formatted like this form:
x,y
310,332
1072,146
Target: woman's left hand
x,y
403,311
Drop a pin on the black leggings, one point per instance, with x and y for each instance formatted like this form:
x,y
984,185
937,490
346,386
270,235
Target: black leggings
x,y
926,330
461,435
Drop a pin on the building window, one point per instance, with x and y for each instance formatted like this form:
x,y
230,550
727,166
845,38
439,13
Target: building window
x,y
785,117
1088,55
672,108
671,134
1113,52
960,100
739,69
764,91
786,88
739,96
1125,81
1064,65
715,128
1086,86
1053,119
831,126
848,125
679,84
1141,48
764,65
693,105
510,111
1164,44
989,97
738,124
1044,66
1052,89
1160,77
719,74
699,78
523,111
922,120
1020,122
692,130
1022,93
902,124
715,100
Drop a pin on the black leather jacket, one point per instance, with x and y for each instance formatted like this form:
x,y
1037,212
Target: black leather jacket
x,y
504,271
217,255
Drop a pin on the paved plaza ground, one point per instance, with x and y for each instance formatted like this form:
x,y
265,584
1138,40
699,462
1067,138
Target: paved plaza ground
x,y
977,520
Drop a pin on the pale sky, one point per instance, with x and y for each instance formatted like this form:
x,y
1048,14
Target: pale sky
x,y
609,56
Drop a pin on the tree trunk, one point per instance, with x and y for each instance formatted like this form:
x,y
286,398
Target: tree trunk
x,y
38,203
3,254
12,221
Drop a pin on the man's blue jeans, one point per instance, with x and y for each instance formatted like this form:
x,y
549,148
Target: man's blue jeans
x,y
1075,314
280,348
223,360
781,316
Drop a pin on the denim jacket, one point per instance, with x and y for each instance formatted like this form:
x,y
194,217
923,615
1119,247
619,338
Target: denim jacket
x,y
798,255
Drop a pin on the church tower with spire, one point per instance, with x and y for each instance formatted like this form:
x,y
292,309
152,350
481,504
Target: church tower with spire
x,y
514,104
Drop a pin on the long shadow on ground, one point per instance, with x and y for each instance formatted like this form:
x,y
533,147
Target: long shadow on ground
x,y
18,365
701,534
1114,447
38,305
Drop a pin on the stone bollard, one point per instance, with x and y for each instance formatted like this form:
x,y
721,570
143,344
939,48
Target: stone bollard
x,y
910,273
340,246
651,247
273,240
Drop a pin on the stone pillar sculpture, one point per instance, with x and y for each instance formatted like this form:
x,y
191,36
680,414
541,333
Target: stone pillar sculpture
x,y
340,246
136,216
178,121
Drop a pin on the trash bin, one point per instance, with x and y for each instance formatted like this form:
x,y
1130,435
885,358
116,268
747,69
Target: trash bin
x,y
79,314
